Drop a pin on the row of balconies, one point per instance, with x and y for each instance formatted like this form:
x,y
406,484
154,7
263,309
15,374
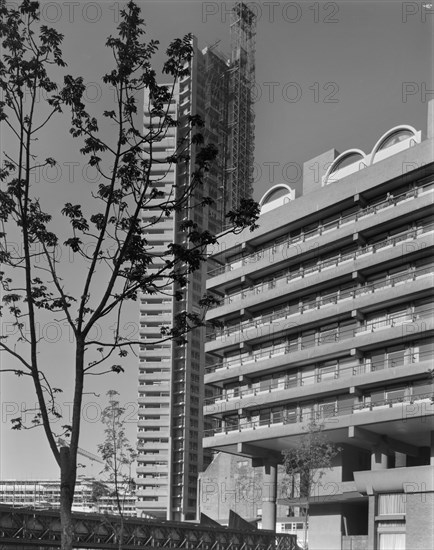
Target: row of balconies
x,y
320,302
325,414
349,373
340,221
344,333
333,262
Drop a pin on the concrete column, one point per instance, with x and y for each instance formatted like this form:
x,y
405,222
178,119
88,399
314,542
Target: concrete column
x,y
378,460
269,495
400,460
371,522
432,450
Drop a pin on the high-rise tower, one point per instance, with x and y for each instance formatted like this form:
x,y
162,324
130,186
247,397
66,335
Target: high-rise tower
x,y
240,107
171,391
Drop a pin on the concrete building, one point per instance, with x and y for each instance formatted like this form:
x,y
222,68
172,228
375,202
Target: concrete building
x,y
43,494
327,314
171,389
230,483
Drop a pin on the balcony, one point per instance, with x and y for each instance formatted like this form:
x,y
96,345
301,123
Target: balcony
x,y
329,263
326,415
280,247
318,303
366,367
340,334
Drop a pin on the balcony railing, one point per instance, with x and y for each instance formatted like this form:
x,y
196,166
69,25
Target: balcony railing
x,y
339,373
334,261
340,334
318,303
327,415
281,246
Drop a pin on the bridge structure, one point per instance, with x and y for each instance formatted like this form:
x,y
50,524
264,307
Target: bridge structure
x,y
24,528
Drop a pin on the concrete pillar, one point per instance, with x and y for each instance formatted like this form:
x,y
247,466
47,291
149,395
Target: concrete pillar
x,y
400,460
371,522
432,450
378,460
269,495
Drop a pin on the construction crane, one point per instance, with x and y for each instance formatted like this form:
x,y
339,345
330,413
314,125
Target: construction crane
x,y
62,443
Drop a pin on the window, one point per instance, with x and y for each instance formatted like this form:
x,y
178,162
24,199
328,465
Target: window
x,y
327,409
395,356
395,394
328,371
377,360
391,541
346,160
329,334
395,138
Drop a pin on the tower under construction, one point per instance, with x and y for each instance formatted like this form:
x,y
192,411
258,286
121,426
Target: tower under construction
x,y
171,390
241,134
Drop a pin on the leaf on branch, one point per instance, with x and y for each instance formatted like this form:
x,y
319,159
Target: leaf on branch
x,y
196,120
197,139
245,216
117,368
72,211
17,423
74,243
208,300
11,298
206,155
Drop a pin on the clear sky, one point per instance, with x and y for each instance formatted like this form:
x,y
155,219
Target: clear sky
x,y
328,74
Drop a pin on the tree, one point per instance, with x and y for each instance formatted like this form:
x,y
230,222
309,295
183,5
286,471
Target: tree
x,y
120,264
306,464
118,455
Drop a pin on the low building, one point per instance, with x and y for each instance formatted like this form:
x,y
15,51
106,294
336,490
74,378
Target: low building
x,y
90,495
326,316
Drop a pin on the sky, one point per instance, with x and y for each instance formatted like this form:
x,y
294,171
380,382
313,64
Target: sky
x,y
328,75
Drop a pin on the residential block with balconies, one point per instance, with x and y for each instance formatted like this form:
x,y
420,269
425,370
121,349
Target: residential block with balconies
x,y
326,316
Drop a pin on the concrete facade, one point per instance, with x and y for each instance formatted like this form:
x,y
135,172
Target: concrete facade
x,y
327,317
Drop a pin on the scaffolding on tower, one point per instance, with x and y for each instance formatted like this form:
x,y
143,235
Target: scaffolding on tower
x,y
241,116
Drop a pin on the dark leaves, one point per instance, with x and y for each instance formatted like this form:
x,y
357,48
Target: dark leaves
x,y
74,243
117,369
245,216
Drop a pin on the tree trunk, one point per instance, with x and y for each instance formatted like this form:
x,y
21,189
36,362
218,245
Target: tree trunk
x,y
66,497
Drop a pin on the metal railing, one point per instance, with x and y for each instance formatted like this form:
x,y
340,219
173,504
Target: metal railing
x,y
328,414
293,382
340,334
26,527
287,241
335,261
333,298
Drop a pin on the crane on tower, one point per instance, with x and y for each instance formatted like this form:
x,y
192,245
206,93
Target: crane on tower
x,y
62,443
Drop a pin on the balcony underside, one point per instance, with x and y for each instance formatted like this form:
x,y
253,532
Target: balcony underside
x,y
408,423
